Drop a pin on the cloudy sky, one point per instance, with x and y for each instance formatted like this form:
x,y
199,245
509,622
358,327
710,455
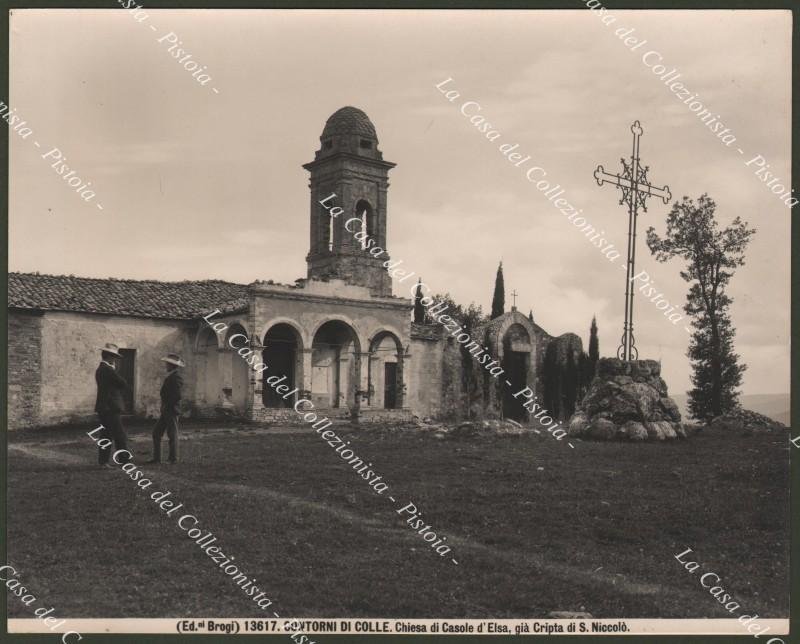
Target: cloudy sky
x,y
197,184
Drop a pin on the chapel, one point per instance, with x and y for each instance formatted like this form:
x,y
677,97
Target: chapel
x,y
339,335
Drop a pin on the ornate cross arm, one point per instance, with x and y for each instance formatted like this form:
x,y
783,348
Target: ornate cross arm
x,y
623,182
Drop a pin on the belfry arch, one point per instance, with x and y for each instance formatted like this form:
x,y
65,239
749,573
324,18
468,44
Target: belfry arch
x,y
366,214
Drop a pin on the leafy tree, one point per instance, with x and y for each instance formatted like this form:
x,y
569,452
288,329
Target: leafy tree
x,y
499,297
419,310
468,317
711,256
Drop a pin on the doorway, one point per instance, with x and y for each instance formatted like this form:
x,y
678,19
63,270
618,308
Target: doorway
x,y
280,354
515,365
390,385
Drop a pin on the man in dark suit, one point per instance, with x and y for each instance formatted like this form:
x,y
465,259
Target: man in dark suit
x,y
110,404
171,392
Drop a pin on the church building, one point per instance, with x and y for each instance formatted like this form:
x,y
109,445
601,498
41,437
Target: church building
x,y
339,336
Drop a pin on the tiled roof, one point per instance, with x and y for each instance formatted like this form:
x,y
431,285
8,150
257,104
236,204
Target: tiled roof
x,y
146,298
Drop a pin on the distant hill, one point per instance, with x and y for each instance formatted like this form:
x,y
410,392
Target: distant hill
x,y
775,406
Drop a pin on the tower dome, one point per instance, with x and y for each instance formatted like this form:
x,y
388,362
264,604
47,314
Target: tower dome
x,y
349,130
348,121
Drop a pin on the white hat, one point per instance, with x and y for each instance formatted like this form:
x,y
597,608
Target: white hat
x,y
174,358
112,349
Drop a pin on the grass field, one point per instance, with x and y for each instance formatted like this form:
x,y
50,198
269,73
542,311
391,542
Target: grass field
x,y
535,526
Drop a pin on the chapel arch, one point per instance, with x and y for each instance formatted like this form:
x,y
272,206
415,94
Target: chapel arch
x,y
335,366
516,361
283,351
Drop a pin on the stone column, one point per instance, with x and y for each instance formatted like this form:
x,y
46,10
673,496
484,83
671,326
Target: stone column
x,y
255,401
307,369
403,379
369,364
345,385
366,363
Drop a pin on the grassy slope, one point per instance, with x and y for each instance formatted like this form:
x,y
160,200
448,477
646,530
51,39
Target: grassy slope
x,y
93,545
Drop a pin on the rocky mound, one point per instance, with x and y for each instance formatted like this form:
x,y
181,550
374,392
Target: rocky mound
x,y
627,401
744,420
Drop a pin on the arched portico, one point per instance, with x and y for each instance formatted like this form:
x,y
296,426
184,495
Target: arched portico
x,y
335,365
283,355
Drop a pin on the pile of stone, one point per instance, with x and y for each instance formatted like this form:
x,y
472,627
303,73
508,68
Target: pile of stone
x,y
746,421
474,429
627,401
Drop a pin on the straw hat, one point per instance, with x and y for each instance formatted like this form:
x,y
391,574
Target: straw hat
x,y
112,349
174,358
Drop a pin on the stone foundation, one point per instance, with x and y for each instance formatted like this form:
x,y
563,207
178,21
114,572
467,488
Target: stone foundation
x,y
627,401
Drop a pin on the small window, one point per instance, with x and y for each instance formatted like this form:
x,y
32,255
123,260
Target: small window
x,y
366,143
327,144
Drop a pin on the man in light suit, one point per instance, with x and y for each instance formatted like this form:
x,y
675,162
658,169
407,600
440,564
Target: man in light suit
x,y
110,403
171,393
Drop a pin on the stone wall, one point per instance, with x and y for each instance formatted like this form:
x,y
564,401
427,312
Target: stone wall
x,y
424,379
70,353
439,376
24,368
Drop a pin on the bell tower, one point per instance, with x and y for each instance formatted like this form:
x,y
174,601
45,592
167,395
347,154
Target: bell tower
x,y
349,165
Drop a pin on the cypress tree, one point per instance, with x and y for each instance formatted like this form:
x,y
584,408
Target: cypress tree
x,y
499,297
594,349
585,374
570,387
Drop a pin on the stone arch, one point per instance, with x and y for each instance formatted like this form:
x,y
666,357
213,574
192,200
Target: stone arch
x,y
335,364
361,340
512,339
301,332
505,323
516,358
385,370
235,369
283,355
201,339
516,355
